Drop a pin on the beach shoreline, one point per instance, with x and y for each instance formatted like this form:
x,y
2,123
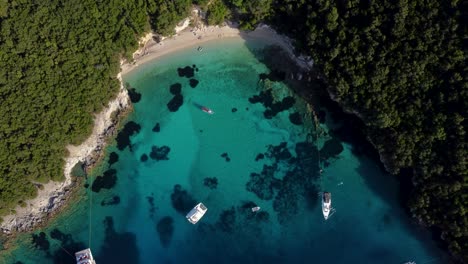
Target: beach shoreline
x,y
197,36
53,196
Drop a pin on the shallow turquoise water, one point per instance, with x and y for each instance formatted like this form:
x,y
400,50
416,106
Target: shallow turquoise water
x,y
368,226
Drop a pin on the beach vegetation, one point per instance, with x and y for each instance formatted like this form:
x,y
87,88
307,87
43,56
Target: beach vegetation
x,y
165,14
216,13
250,12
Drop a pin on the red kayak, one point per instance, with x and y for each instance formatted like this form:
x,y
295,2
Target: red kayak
x,y
207,110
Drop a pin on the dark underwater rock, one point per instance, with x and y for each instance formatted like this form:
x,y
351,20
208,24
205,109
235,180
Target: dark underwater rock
x,y
263,184
331,148
159,153
226,157
123,137
234,110
113,158
135,97
227,220
259,157
165,230
65,241
118,247
272,108
152,209
295,118
40,241
280,152
187,71
181,200
175,103
114,200
193,83
144,157
175,88
106,181
156,128
211,183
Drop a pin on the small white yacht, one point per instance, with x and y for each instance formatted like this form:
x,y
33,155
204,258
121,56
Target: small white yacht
x,y
326,204
84,257
255,209
196,213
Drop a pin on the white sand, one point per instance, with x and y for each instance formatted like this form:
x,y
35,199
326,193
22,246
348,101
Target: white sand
x,y
196,37
53,193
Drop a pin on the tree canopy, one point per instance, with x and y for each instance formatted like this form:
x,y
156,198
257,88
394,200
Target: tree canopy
x,y
400,64
59,65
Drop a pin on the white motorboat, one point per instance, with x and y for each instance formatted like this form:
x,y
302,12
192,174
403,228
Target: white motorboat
x,y
255,209
196,213
84,257
326,204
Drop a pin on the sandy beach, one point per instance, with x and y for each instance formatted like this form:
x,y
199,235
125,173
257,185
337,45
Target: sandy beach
x,y
54,194
193,37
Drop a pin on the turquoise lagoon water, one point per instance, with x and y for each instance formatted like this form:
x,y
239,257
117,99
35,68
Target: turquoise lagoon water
x,y
148,224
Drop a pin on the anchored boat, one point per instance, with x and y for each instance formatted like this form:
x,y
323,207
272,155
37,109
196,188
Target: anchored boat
x,y
207,110
255,209
84,257
326,204
196,213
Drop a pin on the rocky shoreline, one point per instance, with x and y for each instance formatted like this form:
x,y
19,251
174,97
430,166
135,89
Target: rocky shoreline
x,y
54,195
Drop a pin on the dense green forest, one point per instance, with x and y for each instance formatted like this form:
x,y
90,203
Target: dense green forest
x,y
401,64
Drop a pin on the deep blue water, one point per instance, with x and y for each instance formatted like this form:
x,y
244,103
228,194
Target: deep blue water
x,y
165,162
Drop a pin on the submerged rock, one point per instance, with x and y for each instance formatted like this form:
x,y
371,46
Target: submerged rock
x,y
123,137
227,220
165,230
226,157
234,110
263,184
159,153
272,108
106,181
331,148
135,97
113,158
176,102
175,88
40,241
156,128
182,201
259,157
211,183
193,83
187,71
295,118
118,247
114,200
144,157
152,209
